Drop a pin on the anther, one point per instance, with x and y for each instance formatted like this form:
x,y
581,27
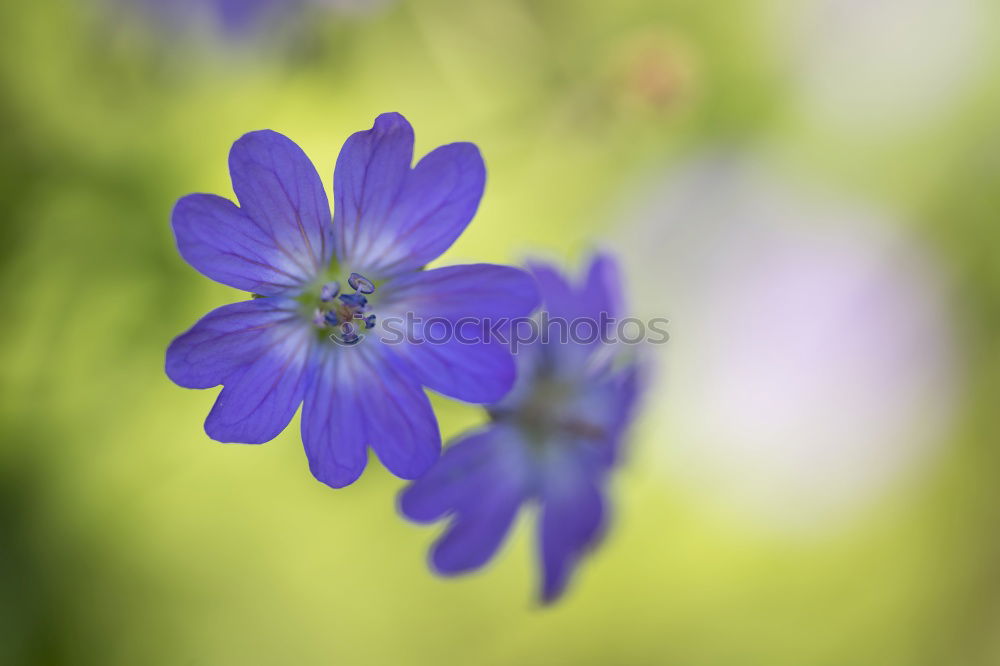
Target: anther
x,y
354,300
348,332
361,284
329,291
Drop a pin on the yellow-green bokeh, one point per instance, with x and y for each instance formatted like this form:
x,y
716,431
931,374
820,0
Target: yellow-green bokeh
x,y
128,537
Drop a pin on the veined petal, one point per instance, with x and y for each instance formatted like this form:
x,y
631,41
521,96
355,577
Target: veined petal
x,y
391,219
439,198
221,242
478,291
370,172
334,430
478,372
401,423
258,401
572,516
280,191
227,339
364,396
450,312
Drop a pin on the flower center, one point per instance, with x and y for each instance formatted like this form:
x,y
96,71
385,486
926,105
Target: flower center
x,y
546,415
343,316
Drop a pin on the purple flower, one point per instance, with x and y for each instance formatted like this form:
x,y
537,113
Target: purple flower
x,y
243,18
310,336
233,17
820,360
553,439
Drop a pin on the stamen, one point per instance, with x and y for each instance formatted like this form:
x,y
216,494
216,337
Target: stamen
x,y
329,291
349,332
338,311
332,318
354,300
360,283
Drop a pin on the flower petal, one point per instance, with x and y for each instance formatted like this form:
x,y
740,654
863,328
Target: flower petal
x,y
483,291
439,199
370,172
450,312
258,401
484,512
227,339
400,422
222,243
601,290
572,516
452,481
629,384
558,297
474,537
279,189
589,311
333,430
365,396
602,287
480,372
391,219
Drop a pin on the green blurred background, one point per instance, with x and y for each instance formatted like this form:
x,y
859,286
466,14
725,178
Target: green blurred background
x,y
128,537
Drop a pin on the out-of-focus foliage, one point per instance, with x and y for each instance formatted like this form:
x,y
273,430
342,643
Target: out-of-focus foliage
x,y
127,536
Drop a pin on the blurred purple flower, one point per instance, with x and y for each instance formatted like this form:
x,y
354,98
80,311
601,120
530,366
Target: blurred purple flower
x,y
238,18
304,337
812,337
232,17
553,439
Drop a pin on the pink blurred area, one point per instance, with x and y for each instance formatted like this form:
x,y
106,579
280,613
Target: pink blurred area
x,y
812,364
